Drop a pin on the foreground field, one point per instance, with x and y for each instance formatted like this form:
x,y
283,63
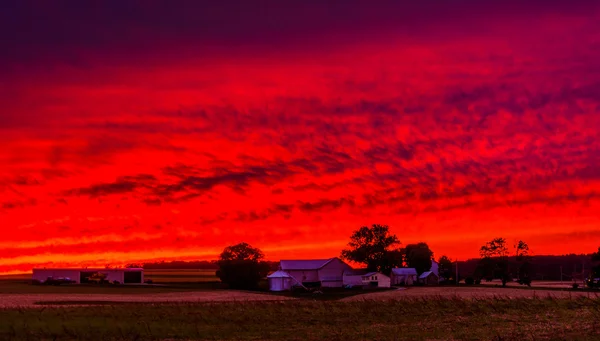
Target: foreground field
x,y
467,292
32,300
410,319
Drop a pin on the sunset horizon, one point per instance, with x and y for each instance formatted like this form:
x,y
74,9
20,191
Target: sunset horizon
x,y
144,131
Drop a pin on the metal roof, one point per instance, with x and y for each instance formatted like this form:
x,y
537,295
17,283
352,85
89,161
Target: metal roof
x,y
425,274
279,274
307,264
404,271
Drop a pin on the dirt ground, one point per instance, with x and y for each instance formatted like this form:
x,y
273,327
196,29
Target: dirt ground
x,y
29,300
468,292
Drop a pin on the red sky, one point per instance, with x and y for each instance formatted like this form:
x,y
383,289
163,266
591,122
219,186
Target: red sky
x,y
142,130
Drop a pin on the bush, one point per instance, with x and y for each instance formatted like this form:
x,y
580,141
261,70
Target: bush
x,y
242,274
478,281
116,282
575,285
469,281
590,283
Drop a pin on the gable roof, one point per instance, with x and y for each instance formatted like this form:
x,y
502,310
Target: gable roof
x,y
305,264
426,274
279,274
404,271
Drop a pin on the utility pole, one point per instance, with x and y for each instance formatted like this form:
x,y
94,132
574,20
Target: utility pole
x,y
457,272
561,274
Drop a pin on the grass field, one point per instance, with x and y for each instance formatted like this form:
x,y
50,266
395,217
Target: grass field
x,y
411,319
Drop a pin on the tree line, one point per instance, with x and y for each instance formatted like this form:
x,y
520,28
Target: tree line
x,y
242,266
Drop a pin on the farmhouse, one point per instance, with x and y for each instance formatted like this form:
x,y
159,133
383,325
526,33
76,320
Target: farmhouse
x,y
123,276
365,278
316,272
403,276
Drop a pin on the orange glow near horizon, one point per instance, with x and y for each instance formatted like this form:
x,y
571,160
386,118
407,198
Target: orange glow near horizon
x,y
114,158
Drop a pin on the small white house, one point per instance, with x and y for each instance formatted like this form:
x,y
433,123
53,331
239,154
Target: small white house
x,y
316,272
280,281
376,279
365,278
403,276
123,276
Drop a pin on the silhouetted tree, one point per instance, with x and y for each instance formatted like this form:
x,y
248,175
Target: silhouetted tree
x,y
418,256
595,270
596,263
374,247
445,269
521,250
494,257
523,260
241,266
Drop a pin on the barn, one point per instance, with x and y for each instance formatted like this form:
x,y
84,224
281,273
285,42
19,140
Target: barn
x,y
403,276
316,272
122,276
280,281
354,277
429,278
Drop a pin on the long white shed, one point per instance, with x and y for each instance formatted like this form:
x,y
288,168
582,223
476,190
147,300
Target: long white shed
x,y
81,275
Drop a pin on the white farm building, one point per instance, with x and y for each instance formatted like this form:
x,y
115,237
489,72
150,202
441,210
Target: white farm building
x,y
403,276
365,278
280,281
122,276
316,272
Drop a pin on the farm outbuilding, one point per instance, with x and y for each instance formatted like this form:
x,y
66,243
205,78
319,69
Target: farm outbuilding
x,y
123,276
280,281
316,272
429,278
403,276
365,278
376,280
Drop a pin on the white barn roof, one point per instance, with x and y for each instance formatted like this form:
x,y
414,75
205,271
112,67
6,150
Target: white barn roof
x,y
279,274
308,264
404,271
425,274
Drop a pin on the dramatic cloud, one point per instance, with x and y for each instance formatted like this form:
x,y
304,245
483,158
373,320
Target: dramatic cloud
x,y
140,131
